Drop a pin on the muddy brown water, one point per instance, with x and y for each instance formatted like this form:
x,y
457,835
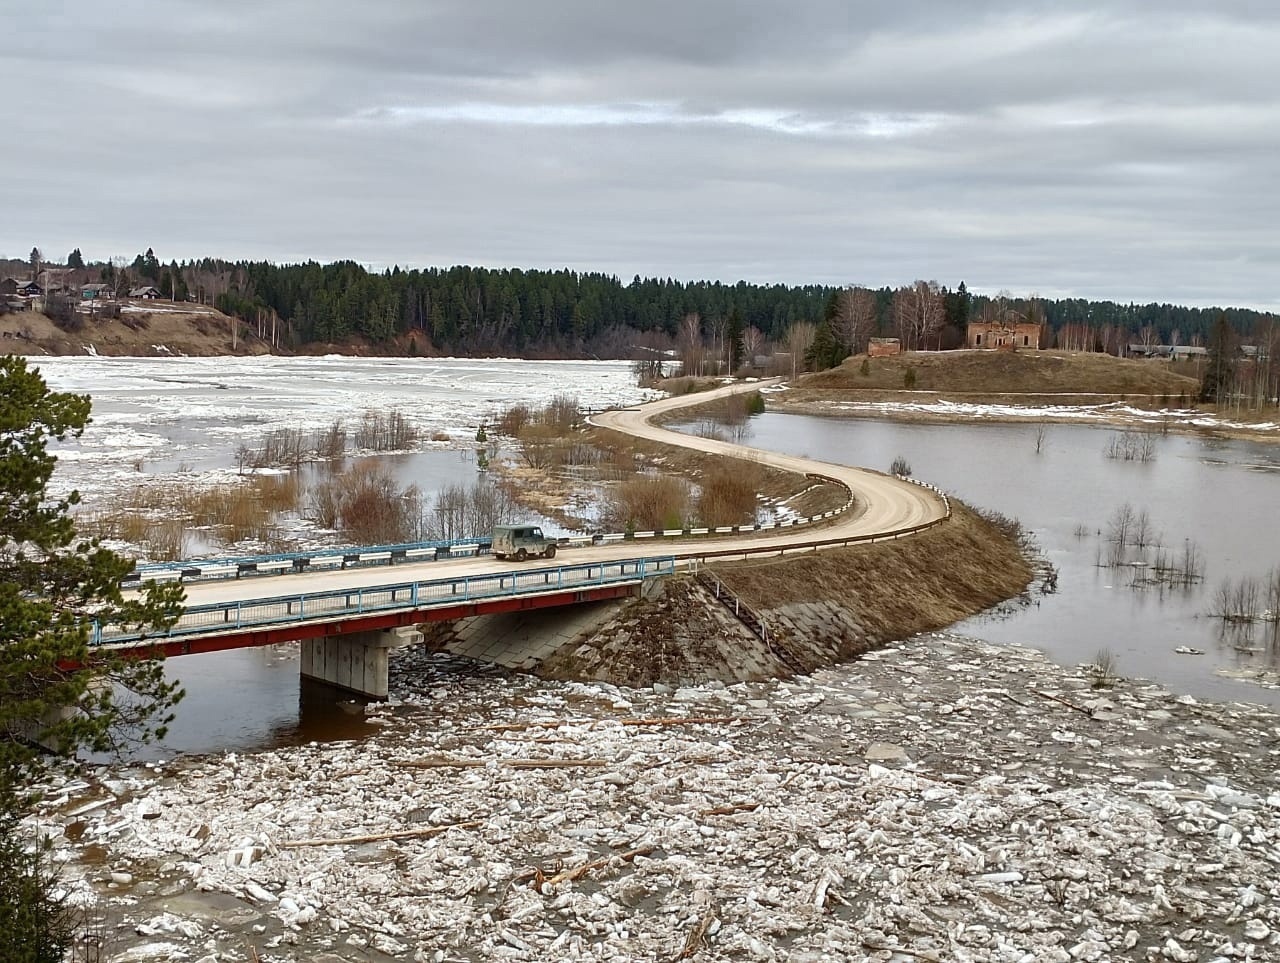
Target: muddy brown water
x,y
1220,494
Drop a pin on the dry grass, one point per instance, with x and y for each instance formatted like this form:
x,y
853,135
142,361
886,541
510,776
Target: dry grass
x,y
648,503
159,518
159,538
1005,372
687,385
727,494
896,589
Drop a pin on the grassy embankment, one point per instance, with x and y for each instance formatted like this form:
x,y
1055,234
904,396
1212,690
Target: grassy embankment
x,y
819,609
997,377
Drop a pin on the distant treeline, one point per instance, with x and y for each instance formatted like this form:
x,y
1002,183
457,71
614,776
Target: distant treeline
x,y
470,310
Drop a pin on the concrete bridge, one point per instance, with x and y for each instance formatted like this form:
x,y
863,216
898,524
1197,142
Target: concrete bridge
x,y
349,618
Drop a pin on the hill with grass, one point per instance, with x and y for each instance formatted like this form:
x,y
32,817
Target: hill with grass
x,y
142,329
975,374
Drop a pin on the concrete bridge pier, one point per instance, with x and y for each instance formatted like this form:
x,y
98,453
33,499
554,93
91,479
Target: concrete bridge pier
x,y
357,662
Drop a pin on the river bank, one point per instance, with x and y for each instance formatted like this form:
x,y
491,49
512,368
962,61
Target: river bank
x,y
943,797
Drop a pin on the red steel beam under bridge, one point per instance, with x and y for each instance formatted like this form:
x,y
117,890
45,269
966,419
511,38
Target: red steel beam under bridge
x,y
219,626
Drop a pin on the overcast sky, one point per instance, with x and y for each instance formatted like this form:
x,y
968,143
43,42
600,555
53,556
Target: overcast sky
x,y
1117,149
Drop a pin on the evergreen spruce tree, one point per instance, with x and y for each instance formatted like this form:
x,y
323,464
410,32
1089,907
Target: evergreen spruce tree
x,y
1216,384
53,687
75,260
826,350
733,340
37,925
53,583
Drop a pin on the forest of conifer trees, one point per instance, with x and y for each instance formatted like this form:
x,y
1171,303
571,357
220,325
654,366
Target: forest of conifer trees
x,y
466,310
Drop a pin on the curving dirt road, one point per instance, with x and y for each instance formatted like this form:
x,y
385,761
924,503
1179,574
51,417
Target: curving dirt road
x,y
884,504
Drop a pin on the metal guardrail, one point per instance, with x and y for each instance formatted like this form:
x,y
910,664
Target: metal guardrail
x,y
236,566
219,617
285,563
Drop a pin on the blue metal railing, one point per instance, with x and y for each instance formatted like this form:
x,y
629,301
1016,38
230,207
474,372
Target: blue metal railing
x,y
238,566
217,617
301,561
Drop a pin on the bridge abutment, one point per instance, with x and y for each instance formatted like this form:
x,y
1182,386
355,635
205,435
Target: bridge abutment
x,y
358,662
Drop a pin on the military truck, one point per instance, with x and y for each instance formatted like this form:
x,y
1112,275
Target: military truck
x,y
520,542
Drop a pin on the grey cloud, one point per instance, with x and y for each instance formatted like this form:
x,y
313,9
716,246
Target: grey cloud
x,y
1123,149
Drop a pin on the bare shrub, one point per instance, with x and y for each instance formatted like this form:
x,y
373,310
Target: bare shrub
x,y
708,428
372,508
1144,533
461,511
729,494
279,448
1132,446
1120,525
512,421
324,503
581,454
385,431
900,467
1103,669
649,503
1238,600
563,412
540,445
1009,527
61,310
687,385
167,539
330,444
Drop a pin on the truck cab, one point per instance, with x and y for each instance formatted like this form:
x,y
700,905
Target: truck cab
x,y
521,542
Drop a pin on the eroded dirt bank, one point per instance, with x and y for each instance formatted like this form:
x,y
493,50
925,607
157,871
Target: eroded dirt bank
x,y
818,609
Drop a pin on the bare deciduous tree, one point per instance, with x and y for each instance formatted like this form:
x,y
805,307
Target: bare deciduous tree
x,y
855,319
799,340
691,347
753,341
918,313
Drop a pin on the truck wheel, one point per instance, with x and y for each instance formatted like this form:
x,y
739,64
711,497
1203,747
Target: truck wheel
x,y
550,552
521,555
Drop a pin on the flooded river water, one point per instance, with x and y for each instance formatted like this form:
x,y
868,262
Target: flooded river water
x,y
1219,494
1216,493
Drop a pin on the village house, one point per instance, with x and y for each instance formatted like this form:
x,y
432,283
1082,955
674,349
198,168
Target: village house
x,y
147,293
23,289
92,292
1006,335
